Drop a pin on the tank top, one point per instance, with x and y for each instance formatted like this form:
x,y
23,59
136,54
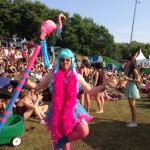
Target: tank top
x,y
86,77
100,79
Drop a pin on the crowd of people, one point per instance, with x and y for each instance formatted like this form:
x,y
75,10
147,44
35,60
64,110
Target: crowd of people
x,y
13,62
67,117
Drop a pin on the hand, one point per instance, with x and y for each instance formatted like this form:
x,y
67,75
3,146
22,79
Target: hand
x,y
27,81
106,81
125,78
110,79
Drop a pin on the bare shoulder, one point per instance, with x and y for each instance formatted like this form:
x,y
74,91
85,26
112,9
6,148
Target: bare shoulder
x,y
136,72
79,77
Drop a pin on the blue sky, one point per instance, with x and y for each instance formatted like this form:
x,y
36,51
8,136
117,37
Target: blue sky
x,y
115,15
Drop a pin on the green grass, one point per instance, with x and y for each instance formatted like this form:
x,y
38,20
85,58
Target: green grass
x,y
108,131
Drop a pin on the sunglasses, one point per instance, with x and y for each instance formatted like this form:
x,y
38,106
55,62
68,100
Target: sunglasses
x,y
65,59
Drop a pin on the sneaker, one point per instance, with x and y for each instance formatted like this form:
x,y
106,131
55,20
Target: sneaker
x,y
42,122
54,146
131,124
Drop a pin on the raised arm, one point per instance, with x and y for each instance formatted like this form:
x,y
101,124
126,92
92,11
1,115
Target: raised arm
x,y
94,90
41,85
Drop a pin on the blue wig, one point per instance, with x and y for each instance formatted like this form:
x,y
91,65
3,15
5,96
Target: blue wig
x,y
66,53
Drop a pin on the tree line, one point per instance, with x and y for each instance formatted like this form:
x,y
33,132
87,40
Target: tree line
x,y
82,35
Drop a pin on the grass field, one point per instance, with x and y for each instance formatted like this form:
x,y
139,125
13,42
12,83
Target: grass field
x,y
108,131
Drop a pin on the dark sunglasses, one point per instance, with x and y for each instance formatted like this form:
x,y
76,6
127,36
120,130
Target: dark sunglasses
x,y
65,59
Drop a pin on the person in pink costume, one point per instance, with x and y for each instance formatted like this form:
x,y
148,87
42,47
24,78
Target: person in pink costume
x,y
66,118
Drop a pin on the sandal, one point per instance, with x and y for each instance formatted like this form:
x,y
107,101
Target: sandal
x,y
30,128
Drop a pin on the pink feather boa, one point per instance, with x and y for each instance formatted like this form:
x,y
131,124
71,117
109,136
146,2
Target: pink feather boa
x,y
63,102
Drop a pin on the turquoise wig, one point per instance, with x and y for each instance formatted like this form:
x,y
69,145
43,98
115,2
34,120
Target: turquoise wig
x,y
66,53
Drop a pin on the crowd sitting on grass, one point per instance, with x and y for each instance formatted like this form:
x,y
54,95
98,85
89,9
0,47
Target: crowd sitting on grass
x,y
29,104
13,62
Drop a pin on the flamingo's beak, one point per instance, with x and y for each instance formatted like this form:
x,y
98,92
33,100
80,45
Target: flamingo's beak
x,y
43,34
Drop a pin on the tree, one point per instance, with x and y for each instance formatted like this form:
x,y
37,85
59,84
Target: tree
x,y
5,17
82,35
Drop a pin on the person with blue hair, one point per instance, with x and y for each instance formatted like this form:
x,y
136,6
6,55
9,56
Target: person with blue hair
x,y
63,54
66,118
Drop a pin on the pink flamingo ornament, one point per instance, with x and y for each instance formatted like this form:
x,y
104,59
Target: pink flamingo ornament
x,y
49,26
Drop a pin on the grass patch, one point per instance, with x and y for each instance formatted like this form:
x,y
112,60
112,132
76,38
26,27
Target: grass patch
x,y
108,131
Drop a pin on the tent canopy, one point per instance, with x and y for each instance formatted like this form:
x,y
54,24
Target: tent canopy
x,y
141,59
111,61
